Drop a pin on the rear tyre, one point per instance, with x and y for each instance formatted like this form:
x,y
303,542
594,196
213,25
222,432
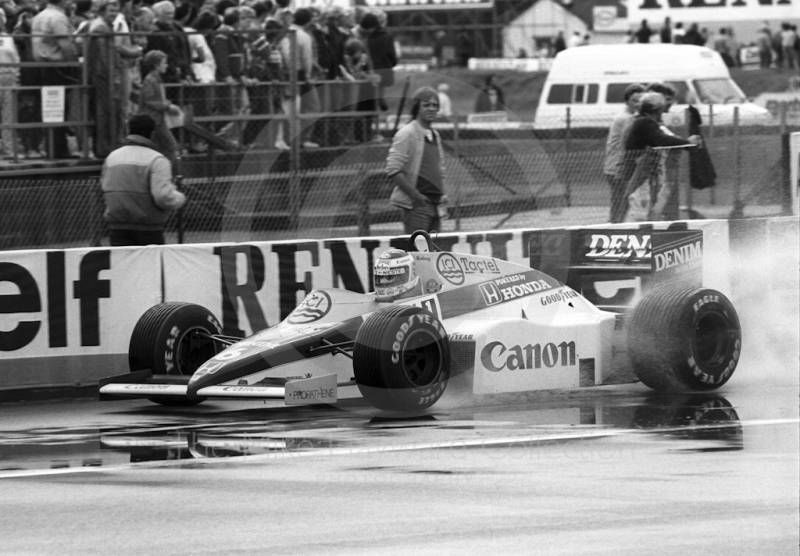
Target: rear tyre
x,y
172,339
684,340
401,359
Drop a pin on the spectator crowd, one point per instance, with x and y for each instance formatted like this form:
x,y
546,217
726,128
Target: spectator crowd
x,y
175,60
779,48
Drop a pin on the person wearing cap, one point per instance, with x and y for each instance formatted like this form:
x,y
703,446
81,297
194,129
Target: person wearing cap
x,y
615,150
138,189
643,169
415,165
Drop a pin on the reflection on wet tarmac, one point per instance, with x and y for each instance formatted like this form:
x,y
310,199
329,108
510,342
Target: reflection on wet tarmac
x,y
707,418
695,417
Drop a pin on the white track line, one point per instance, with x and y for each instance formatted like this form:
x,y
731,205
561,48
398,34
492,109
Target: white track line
x,y
472,443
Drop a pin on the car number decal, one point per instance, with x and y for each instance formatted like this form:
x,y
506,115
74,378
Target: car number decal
x,y
429,303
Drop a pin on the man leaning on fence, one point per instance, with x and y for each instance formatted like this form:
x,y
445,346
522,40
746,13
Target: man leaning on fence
x,y
138,189
416,166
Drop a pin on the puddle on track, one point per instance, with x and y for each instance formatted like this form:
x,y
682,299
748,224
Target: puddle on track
x,y
707,418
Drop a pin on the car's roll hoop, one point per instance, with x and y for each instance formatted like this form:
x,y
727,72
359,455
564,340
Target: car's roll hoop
x,y
412,241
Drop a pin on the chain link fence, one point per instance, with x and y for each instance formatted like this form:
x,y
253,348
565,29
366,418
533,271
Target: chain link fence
x,y
495,179
293,160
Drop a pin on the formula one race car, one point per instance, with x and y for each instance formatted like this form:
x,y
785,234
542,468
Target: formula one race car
x,y
436,315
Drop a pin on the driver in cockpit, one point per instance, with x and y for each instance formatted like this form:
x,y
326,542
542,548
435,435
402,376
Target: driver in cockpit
x,y
395,276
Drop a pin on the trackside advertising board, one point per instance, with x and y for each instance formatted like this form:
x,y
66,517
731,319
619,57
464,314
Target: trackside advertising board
x,y
62,309
66,315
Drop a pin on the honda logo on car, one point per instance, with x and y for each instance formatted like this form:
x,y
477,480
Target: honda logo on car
x,y
619,246
678,256
494,293
497,357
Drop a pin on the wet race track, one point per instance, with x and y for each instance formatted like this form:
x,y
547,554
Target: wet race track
x,y
608,470
616,470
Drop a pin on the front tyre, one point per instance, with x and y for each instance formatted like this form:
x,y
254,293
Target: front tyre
x,y
173,339
684,340
401,359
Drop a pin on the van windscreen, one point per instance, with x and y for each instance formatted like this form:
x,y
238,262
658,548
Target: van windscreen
x,y
717,91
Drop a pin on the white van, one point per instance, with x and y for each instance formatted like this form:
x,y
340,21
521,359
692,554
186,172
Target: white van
x,y
591,80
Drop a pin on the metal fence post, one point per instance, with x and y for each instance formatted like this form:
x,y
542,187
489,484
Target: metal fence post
x,y
114,101
786,164
568,150
688,187
712,193
362,193
458,185
84,130
738,204
178,184
294,138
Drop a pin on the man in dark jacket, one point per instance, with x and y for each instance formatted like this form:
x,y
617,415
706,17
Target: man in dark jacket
x,y
380,46
138,189
644,169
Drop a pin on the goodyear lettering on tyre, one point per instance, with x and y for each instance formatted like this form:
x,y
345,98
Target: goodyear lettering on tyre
x,y
710,379
169,352
402,332
705,299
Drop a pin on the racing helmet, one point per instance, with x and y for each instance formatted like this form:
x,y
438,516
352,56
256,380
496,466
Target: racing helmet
x,y
395,274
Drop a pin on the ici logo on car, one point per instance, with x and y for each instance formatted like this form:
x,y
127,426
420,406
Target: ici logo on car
x,y
450,269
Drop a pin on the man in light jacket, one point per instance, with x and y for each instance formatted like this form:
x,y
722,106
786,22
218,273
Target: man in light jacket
x,y
138,189
415,165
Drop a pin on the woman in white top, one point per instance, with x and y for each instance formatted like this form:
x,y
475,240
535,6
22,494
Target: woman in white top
x,y
197,27
203,63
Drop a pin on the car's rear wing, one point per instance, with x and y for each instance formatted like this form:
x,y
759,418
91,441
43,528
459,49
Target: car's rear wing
x,y
614,267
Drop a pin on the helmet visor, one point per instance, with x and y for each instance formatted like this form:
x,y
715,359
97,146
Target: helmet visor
x,y
391,277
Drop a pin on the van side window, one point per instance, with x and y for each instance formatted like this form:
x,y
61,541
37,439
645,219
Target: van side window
x,y
615,93
560,94
573,94
593,90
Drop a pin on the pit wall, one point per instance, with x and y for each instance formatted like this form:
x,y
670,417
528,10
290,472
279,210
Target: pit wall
x,y
66,315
